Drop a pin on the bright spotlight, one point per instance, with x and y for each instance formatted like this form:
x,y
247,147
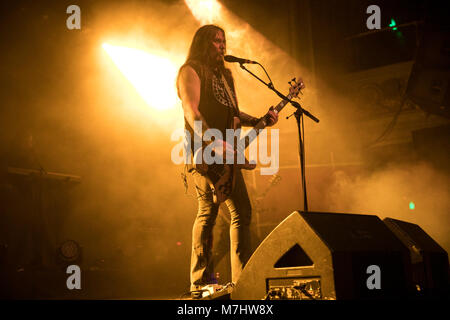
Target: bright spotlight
x,y
205,11
153,76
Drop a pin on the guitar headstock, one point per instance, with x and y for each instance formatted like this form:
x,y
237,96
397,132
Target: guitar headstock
x,y
296,87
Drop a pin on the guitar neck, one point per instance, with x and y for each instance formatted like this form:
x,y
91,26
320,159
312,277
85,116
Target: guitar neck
x,y
262,123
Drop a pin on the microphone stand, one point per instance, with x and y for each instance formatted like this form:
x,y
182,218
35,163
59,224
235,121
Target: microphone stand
x,y
299,117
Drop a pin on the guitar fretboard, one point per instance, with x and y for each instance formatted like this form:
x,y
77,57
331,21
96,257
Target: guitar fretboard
x,y
248,138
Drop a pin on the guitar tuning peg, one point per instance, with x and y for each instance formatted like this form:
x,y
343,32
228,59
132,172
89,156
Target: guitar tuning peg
x,y
293,80
290,83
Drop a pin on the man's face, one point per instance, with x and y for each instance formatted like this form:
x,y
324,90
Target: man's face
x,y
219,44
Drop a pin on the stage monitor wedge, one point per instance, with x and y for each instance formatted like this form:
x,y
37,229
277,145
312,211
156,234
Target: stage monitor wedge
x,y
326,256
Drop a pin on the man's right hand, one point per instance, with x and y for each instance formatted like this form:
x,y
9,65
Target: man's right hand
x,y
224,148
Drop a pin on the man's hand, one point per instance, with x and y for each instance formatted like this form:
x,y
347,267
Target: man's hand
x,y
226,147
223,148
271,117
228,151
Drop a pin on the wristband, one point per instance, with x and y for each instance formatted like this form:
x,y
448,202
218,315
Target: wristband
x,y
255,121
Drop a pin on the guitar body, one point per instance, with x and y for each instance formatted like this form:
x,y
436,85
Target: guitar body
x,y
221,177
221,181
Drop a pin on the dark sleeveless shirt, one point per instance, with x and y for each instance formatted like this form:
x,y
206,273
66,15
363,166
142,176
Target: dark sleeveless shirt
x,y
215,105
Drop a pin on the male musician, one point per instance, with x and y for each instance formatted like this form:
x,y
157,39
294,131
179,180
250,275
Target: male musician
x,y
207,91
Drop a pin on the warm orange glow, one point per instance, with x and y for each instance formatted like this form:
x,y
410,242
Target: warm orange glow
x,y
153,76
244,41
205,11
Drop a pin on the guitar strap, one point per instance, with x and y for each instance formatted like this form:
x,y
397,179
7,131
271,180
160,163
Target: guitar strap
x,y
236,109
230,95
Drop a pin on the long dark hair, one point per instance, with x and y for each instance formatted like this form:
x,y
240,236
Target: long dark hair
x,y
201,52
201,46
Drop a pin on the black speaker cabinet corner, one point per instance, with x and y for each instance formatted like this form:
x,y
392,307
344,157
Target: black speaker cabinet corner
x,y
429,261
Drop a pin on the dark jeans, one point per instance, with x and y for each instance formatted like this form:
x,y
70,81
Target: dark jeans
x,y
202,269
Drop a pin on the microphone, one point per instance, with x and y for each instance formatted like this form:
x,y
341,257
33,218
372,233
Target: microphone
x,y
228,58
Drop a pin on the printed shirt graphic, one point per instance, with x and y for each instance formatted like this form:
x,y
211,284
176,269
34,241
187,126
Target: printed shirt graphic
x,y
220,93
